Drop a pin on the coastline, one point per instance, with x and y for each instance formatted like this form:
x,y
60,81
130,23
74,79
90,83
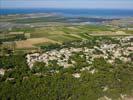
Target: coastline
x,y
103,13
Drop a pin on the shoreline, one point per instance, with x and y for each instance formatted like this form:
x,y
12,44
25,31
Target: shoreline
x,y
100,13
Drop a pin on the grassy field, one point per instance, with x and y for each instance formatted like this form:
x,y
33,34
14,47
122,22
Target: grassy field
x,y
56,33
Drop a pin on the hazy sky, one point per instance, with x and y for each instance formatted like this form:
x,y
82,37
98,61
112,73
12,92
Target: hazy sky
x,y
119,4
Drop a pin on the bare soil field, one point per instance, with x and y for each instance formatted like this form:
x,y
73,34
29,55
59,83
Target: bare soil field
x,y
29,43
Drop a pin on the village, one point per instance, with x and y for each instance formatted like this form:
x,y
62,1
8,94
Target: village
x,y
110,52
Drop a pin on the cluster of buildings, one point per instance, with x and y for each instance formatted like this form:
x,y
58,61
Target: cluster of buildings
x,y
122,51
62,56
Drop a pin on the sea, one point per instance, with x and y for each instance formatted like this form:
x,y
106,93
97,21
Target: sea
x,y
73,12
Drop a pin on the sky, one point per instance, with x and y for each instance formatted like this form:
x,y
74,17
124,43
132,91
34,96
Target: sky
x,y
90,4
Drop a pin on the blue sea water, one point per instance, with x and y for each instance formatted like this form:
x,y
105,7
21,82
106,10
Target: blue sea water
x,y
73,12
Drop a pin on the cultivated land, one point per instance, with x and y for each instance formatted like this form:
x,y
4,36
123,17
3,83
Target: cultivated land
x,y
54,57
30,43
60,34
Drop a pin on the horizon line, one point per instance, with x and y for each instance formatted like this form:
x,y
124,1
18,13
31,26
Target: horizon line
x,y
64,8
